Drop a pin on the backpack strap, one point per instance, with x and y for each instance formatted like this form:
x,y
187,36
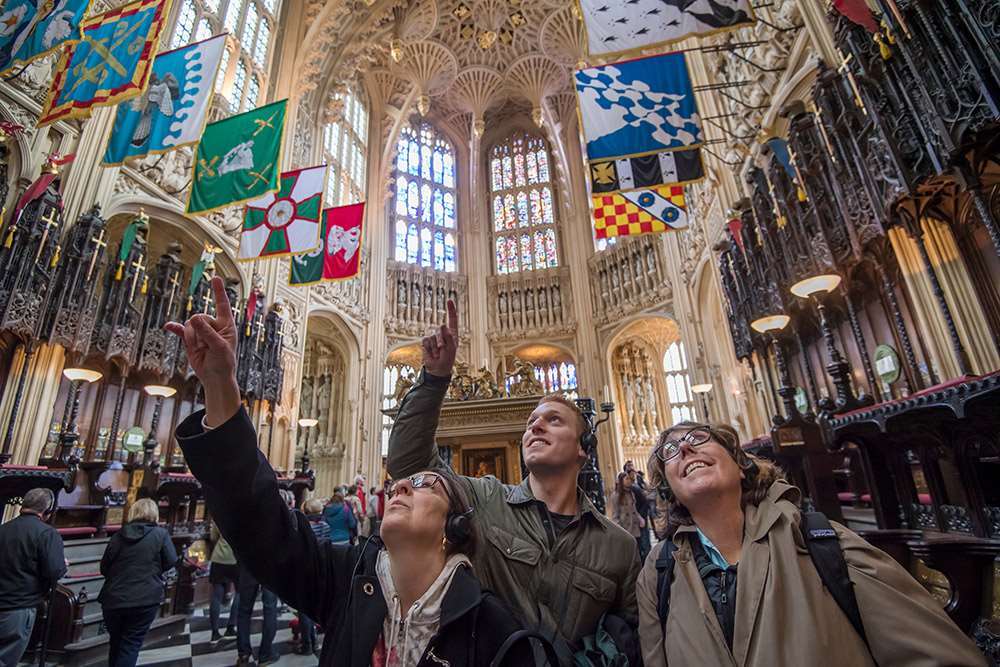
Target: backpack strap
x,y
525,635
664,578
828,558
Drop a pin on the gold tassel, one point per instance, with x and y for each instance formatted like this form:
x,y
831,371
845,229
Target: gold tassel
x,y
145,284
883,48
118,273
9,241
55,257
889,34
190,303
248,328
802,195
782,221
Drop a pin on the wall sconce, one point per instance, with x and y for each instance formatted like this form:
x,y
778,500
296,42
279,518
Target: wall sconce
x,y
159,392
69,438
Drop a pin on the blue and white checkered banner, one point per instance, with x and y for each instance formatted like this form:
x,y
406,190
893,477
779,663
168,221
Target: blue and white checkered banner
x,y
638,107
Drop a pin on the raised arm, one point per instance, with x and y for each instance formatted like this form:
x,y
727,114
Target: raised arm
x,y
241,489
411,442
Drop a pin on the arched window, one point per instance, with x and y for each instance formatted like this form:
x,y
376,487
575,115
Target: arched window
x,y
425,203
242,78
390,379
675,368
344,146
524,232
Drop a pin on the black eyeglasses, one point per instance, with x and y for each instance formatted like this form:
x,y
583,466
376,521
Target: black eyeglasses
x,y
422,480
695,437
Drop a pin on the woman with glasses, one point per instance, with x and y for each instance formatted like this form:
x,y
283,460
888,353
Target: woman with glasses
x,y
408,599
735,583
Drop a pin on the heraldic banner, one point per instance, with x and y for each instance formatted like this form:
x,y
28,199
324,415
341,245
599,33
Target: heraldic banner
x,y
640,212
286,222
238,159
171,112
30,30
340,254
639,109
624,28
110,64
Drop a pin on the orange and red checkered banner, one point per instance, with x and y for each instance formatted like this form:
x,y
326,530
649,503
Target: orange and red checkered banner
x,y
111,62
649,211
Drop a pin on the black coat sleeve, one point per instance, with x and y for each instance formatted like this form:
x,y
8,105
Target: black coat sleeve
x,y
168,553
52,558
277,545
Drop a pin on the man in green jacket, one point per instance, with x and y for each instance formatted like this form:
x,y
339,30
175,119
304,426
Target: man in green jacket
x,y
544,548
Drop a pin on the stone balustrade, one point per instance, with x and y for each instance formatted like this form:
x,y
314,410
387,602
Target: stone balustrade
x,y
530,304
418,296
629,277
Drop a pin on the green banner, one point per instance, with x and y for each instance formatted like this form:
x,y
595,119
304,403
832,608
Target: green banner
x,y
307,269
238,159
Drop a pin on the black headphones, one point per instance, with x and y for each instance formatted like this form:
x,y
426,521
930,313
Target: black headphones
x,y
458,525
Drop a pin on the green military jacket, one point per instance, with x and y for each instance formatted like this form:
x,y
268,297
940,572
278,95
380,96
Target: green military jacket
x,y
564,585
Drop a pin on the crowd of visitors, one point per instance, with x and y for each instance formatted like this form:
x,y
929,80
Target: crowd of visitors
x,y
439,569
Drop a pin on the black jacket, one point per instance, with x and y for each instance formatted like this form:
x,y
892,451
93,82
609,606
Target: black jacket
x,y
720,585
334,584
31,561
133,566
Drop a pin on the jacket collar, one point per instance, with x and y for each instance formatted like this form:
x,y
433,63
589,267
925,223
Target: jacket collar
x,y
781,501
522,495
462,597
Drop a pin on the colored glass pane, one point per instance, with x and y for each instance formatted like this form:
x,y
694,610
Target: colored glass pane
x,y
412,199
438,208
400,255
412,244
522,210
540,250
414,150
496,181
509,215
501,253
449,209
239,83
449,170
511,254
449,253
543,166
551,255
508,173
425,162
425,202
536,208
497,213
520,180
263,40
547,216
438,251
253,91
532,164
233,15
425,247
525,252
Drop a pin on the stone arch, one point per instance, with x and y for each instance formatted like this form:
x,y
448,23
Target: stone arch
x,y
329,391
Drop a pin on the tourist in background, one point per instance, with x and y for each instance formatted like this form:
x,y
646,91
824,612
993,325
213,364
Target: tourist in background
x,y
738,549
354,502
340,517
224,571
31,562
623,510
133,566
642,506
313,509
372,511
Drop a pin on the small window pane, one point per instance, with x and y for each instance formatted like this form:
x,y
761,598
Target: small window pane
x,y
512,266
438,251
438,208
185,24
519,178
400,255
438,167
412,244
540,259
252,92
508,173
498,221
497,180
239,83
525,252
249,28
203,32
536,208
551,255
263,41
547,207
449,209
233,16
449,170
449,253
401,195
223,68
543,166
425,162
413,200
522,209
510,215
532,168
425,202
425,247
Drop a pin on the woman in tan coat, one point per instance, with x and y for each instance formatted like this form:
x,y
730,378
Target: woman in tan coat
x,y
744,589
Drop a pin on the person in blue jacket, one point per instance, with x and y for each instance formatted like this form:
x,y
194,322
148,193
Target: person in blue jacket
x,y
340,518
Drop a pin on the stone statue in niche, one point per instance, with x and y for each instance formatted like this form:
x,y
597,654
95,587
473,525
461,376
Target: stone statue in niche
x,y
323,408
306,397
403,384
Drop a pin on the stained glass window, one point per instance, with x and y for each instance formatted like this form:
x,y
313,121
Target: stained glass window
x,y
678,381
345,144
523,212
242,79
425,199
557,377
390,377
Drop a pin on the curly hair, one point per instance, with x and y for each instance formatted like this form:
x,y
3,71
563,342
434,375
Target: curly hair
x,y
758,474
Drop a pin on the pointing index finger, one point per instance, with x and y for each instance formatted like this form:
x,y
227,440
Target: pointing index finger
x,y
223,311
452,316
